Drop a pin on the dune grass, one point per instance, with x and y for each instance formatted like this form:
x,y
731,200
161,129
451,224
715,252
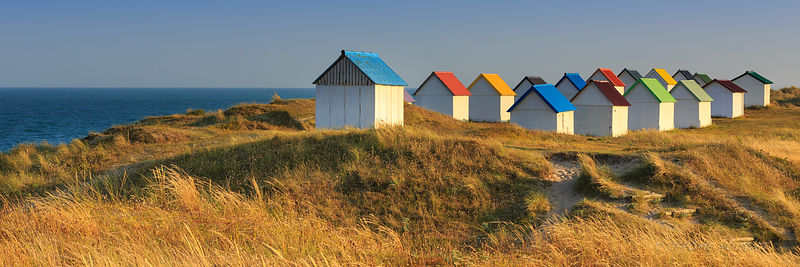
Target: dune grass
x,y
183,220
254,185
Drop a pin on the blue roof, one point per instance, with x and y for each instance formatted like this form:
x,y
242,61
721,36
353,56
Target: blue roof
x,y
550,94
575,79
375,69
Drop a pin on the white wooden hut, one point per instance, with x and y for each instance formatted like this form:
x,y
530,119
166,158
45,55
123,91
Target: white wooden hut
x,y
662,77
701,78
543,107
629,76
652,107
444,93
693,109
570,84
526,84
728,98
359,90
604,74
681,75
601,110
491,97
758,88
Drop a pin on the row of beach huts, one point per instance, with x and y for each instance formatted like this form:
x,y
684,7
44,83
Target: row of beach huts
x,y
359,90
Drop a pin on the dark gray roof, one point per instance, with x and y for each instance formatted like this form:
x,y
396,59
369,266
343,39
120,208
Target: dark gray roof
x,y
635,74
534,80
685,73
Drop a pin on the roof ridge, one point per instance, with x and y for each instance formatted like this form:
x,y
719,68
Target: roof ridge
x,y
755,75
694,88
502,89
556,105
659,92
608,91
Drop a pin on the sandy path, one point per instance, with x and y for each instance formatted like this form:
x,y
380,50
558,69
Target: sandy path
x,y
562,193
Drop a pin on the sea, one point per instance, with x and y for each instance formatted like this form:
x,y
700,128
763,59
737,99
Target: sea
x,y
59,115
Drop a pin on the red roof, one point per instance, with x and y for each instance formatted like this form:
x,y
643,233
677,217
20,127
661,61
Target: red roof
x,y
451,82
609,91
728,85
611,77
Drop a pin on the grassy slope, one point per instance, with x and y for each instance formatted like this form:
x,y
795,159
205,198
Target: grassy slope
x,y
253,185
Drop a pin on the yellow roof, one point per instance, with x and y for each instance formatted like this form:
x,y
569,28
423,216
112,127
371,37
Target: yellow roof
x,y
665,76
496,82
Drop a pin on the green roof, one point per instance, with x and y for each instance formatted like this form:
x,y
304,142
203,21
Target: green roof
x,y
704,77
758,77
695,89
655,88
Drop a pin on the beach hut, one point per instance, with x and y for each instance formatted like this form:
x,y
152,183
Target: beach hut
x,y
526,84
728,98
652,107
603,74
601,110
701,78
491,97
570,84
662,77
628,76
543,107
758,88
359,90
444,93
693,109
408,98
681,75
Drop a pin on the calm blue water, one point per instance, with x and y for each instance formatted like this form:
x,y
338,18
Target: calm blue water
x,y
58,115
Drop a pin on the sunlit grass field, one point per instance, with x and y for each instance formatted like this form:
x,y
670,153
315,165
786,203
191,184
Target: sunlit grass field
x,y
257,185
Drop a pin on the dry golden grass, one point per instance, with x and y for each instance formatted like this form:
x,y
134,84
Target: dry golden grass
x,y
182,220
252,186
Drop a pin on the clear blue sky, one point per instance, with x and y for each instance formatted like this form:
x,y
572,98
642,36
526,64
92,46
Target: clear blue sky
x,y
199,43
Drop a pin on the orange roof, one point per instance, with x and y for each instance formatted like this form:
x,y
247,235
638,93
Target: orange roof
x,y
611,76
665,76
496,82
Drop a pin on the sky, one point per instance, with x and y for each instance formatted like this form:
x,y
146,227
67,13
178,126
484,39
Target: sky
x,y
287,44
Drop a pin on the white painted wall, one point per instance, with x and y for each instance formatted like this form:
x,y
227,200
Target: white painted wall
x,y
597,76
596,116
627,79
724,104
321,107
484,108
536,119
435,96
534,113
646,112
566,122
485,104
690,112
522,88
666,116
619,120
705,114
567,89
757,93
461,107
506,102
363,106
738,104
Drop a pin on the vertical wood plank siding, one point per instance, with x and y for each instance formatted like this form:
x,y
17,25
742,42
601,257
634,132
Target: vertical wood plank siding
x,y
344,72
